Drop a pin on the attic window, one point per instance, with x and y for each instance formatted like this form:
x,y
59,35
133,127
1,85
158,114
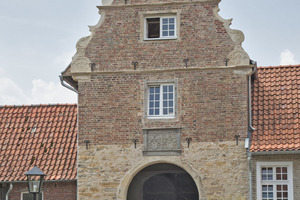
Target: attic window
x,y
160,27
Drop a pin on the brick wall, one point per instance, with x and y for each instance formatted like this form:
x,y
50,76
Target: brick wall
x,y
202,38
212,106
65,190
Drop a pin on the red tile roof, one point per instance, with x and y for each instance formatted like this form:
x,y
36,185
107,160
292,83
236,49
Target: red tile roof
x,y
41,135
275,109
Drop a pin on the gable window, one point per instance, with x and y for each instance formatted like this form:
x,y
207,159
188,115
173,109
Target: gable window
x,y
274,181
160,27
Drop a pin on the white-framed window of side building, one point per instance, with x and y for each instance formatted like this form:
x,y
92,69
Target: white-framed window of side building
x,y
274,180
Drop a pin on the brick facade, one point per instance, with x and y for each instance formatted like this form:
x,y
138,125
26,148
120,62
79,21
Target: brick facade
x,y
55,190
211,98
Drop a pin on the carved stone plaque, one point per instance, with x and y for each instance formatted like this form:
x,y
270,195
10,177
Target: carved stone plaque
x,y
162,142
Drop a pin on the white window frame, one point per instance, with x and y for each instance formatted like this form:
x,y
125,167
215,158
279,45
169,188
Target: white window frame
x,y
161,115
260,182
160,28
28,193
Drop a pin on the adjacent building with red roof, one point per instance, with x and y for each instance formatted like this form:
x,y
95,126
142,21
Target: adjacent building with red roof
x,y
43,136
275,143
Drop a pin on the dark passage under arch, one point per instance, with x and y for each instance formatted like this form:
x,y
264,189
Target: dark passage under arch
x,y
162,182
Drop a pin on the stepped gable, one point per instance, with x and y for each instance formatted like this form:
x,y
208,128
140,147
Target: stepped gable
x,y
275,109
38,135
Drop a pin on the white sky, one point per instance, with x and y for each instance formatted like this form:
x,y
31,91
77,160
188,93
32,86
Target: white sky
x,y
38,38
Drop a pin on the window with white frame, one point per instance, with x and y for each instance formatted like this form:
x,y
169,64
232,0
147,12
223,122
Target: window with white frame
x,y
161,100
274,180
29,196
160,27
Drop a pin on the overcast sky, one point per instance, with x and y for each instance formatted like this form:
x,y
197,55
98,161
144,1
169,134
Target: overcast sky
x,y
38,38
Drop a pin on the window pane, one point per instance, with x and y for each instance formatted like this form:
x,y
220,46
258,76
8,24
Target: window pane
x,y
156,96
270,177
157,104
270,170
165,104
165,111
151,97
165,96
153,27
165,33
171,96
270,194
165,20
278,176
284,177
284,169
151,112
151,104
264,177
171,20
165,27
264,188
265,195
278,169
278,187
263,170
171,27
156,111
270,187
171,103
285,187
151,89
171,33
165,88
278,194
170,110
170,88
157,90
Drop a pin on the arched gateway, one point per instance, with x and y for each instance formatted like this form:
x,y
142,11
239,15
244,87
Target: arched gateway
x,y
162,182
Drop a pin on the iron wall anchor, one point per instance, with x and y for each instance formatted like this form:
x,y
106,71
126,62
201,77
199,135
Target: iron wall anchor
x,y
87,143
237,139
134,63
135,141
188,140
186,61
92,65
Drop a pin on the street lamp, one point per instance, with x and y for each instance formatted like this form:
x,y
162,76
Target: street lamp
x,y
35,179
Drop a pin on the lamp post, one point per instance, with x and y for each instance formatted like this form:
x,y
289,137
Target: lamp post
x,y
35,179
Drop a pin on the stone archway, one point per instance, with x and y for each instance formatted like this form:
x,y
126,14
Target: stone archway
x,y
179,167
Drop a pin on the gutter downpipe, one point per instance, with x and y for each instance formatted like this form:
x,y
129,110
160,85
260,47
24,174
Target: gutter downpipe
x,y
251,130
67,86
7,193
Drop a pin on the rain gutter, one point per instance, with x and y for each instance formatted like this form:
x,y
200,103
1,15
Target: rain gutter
x,y
251,130
65,85
7,193
260,153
